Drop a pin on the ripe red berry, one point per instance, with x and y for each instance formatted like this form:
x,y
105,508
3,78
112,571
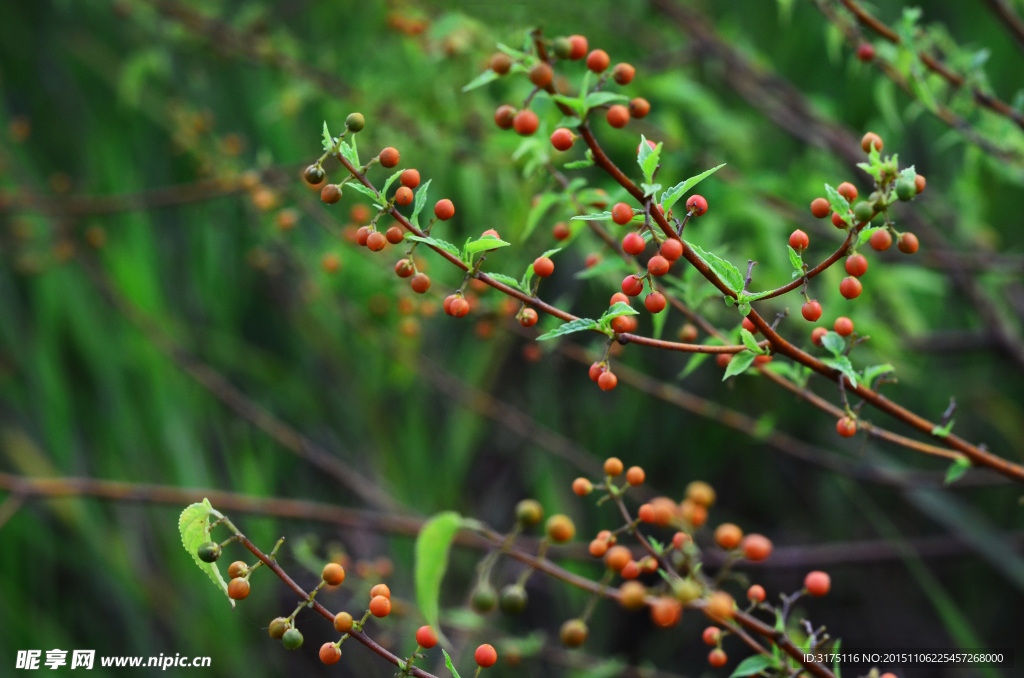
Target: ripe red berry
x,y
630,571
403,268
907,243
697,204
820,208
850,288
598,547
613,466
333,574
525,123
639,108
655,302
658,265
376,241
871,139
633,243
394,235
919,183
410,178
623,73
756,547
665,612
562,139
837,220
490,232
672,249
749,326
581,487
504,116
762,360
607,381
798,240
330,194
635,476
460,307
846,427
238,588
420,283
624,323
843,326
579,47
426,637
711,635
380,606
541,74
485,656
632,285
817,583
848,191
880,240
444,209
756,593
528,317
403,196
811,310
621,213
866,52
598,60
362,235
617,297
543,267
856,265
330,653
389,157
617,116
596,370
722,359
501,63
728,536
717,658
592,259
237,569
560,231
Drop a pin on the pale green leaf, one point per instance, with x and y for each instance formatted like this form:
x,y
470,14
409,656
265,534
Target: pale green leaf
x,y
739,364
194,525
672,195
432,546
481,80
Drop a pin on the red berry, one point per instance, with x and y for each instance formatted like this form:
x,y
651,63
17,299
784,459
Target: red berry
x,y
581,487
623,73
837,220
907,243
722,359
394,235
672,249
650,143
380,606
817,583
380,590
500,63
756,547
856,265
528,318
697,204
633,243
811,310
607,381
919,183
632,285
655,302
749,326
541,74
850,288
490,232
420,283
798,240
410,178
639,108
598,60
624,323
617,297
330,194
871,139
426,637
389,157
658,265
756,593
880,240
444,209
820,208
762,360
403,196
459,307
630,571
560,231
238,589
329,653
403,268
848,191
711,635
846,427
448,302
596,370
362,235
843,326
525,123
817,335
562,139
504,116
617,116
866,52
592,259
717,658
543,267
622,213
485,656
376,241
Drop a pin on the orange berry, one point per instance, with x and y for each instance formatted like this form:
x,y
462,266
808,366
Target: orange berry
x,y
639,107
380,590
701,493
410,178
717,658
756,547
560,528
598,548
333,574
598,60
426,637
871,139
728,536
679,540
237,569
613,466
721,605
617,558
817,583
486,656
617,116
632,595
238,589
666,612
848,191
623,73
582,487
630,571
380,607
389,157
330,653
711,635
343,622
403,196
635,475
756,593
820,207
579,47
444,209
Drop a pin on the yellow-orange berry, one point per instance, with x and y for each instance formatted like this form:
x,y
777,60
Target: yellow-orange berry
x,y
632,594
728,536
343,622
635,475
380,590
721,605
560,528
582,487
617,558
666,612
701,493
380,606
613,466
333,574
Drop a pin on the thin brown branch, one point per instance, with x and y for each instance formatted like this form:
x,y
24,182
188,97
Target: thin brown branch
x,y
1013,23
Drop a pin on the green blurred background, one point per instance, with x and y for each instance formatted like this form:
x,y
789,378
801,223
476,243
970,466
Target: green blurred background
x,y
226,99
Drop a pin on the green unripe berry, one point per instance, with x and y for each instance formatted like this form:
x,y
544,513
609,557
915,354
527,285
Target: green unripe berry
x,y
529,512
209,552
278,627
562,48
863,211
574,633
687,590
484,598
905,189
355,122
513,599
314,174
292,639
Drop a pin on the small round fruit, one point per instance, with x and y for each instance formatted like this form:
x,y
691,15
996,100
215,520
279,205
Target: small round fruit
x,y
380,606
389,157
756,593
574,633
632,285
501,63
380,590
209,552
426,637
655,302
376,241
582,487
817,335
850,288
403,196
238,589
330,194
420,283
622,213
907,243
672,249
362,235
562,47
525,123
343,622
721,605
529,512
617,116
528,317
666,612
728,536
596,369
292,639
395,234
817,583
459,307
866,51
619,297
863,212
598,60
798,240
701,493
905,190
598,547
410,178
756,547
880,240
333,574
237,569
919,183
856,265
658,265
355,122
504,116
848,191
633,243
688,333
541,74
749,326
485,656
843,326
617,558
313,175
613,466
711,635
639,108
278,627
330,653
560,231
717,658
679,540
870,139
820,208
646,513
837,220
513,599
811,310
562,139
623,73
692,512
846,427
697,204
560,528
632,595
444,209
635,476
543,267
579,47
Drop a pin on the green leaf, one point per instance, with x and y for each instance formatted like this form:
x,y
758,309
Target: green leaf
x,y
617,309
956,470
750,342
434,242
512,52
569,121
483,244
648,159
693,363
544,203
328,139
834,343
844,365
943,431
871,373
432,546
194,525
600,216
387,184
349,152
672,195
356,186
658,320
729,274
448,663
481,80
739,364
839,204
578,164
419,204
601,98
572,102
650,189
866,234
506,279
753,664
578,325
797,262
